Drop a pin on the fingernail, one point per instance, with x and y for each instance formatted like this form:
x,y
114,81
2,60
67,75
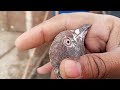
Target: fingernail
x,y
72,69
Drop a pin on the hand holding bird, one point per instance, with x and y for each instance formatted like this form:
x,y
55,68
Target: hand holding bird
x,y
102,45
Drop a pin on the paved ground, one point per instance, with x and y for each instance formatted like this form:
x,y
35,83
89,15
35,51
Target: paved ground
x,y
12,62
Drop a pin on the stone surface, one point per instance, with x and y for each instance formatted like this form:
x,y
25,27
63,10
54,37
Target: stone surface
x,y
13,62
7,40
11,66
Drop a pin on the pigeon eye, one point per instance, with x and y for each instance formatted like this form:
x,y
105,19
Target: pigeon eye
x,y
67,42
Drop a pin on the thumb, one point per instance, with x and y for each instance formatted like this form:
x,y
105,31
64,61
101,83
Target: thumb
x,y
93,66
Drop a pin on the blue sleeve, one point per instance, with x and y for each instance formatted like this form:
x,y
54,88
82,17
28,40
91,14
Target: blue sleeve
x,y
60,12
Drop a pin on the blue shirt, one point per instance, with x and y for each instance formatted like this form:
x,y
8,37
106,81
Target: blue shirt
x,y
67,12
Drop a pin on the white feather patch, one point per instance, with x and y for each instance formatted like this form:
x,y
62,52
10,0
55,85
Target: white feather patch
x,y
77,31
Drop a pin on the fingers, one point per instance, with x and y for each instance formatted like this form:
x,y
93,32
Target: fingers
x,y
45,69
39,34
70,69
114,37
93,66
47,30
99,33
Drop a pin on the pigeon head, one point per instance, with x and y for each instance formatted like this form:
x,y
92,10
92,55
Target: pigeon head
x,y
67,44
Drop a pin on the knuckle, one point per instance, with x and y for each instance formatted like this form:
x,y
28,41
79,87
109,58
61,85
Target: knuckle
x,y
100,66
94,67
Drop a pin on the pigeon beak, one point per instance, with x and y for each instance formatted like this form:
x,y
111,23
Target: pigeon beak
x,y
82,31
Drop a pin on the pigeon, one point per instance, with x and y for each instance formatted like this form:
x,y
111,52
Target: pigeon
x,y
67,44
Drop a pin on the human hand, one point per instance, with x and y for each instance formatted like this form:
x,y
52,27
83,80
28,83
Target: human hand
x,y
102,42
